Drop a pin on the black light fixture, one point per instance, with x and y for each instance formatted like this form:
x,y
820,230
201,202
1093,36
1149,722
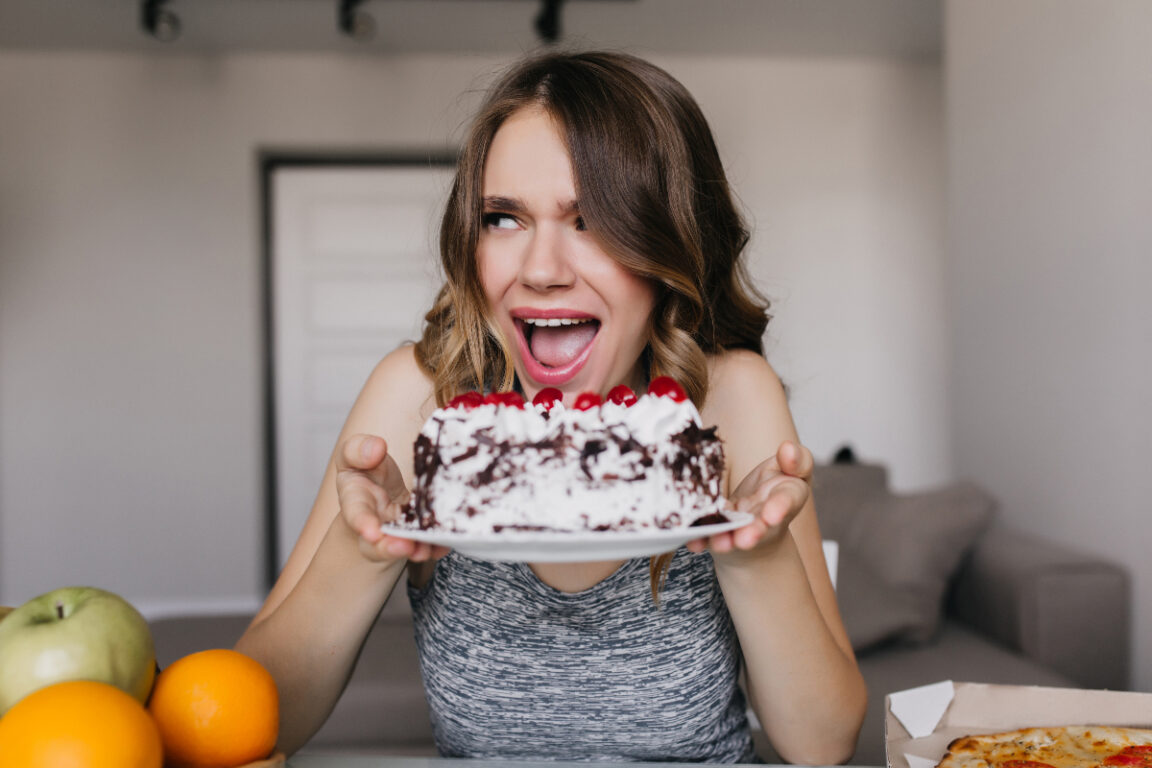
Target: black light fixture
x,y
158,21
548,20
354,22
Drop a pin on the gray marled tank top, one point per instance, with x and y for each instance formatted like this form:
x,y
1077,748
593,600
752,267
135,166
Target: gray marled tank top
x,y
516,669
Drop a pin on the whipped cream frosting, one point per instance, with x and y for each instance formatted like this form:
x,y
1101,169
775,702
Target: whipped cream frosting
x,y
495,467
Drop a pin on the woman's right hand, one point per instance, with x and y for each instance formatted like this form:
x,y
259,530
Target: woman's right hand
x,y
372,492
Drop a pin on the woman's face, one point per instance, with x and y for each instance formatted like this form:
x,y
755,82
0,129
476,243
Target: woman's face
x,y
576,319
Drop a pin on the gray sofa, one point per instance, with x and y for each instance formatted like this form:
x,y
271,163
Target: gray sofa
x,y
931,588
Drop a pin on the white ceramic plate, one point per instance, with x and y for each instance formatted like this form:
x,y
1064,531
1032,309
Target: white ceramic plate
x,y
568,547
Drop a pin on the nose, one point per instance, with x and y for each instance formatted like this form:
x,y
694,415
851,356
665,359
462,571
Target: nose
x,y
546,262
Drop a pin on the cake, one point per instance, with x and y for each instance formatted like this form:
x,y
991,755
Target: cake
x,y
494,463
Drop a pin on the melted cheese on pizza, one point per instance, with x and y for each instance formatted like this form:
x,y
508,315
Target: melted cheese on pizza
x,y
1067,747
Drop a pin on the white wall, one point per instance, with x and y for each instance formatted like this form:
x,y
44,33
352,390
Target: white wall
x,y
840,164
130,336
1050,263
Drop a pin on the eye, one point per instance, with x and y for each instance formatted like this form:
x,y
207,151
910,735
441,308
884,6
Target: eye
x,y
500,221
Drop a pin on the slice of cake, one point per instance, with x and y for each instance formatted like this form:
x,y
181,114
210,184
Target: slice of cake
x,y
495,463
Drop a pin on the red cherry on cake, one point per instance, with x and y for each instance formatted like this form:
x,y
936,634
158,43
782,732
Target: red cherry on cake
x,y
548,397
509,399
666,386
622,394
586,401
467,401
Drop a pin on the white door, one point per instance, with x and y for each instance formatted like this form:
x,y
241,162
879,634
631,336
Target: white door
x,y
353,268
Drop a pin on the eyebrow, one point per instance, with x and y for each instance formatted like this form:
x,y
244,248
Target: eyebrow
x,y
515,205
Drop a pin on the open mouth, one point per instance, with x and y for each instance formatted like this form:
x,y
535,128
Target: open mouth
x,y
556,342
555,348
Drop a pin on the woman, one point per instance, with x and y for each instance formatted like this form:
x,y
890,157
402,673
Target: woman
x,y
589,188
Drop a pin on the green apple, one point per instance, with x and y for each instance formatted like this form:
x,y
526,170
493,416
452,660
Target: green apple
x,y
75,633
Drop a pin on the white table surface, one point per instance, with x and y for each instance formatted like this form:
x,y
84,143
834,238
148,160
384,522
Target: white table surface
x,y
336,760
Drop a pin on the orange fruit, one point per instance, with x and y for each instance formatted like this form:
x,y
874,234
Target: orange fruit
x,y
215,709
79,722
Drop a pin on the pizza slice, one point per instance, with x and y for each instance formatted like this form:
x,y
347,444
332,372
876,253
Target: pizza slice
x,y
1060,747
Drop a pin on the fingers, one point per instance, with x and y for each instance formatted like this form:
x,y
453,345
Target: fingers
x,y
773,493
369,454
720,543
362,503
779,492
795,460
393,483
358,475
390,547
361,452
780,486
773,506
370,487
783,501
371,491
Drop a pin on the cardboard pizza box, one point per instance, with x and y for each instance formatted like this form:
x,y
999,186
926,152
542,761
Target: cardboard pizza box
x,y
920,722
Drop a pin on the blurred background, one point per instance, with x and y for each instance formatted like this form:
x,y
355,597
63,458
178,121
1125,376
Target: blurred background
x,y
952,213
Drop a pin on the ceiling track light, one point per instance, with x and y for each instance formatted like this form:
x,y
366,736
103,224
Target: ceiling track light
x,y
548,21
158,21
354,22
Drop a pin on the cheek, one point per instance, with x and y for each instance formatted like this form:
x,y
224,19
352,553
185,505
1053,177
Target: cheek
x,y
640,295
635,299
632,296
491,278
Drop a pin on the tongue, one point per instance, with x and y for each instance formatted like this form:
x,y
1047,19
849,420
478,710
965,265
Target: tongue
x,y
555,346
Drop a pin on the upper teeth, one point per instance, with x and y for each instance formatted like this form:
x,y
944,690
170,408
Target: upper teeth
x,y
554,321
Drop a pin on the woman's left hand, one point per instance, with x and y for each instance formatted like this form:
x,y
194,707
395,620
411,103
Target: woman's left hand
x,y
773,493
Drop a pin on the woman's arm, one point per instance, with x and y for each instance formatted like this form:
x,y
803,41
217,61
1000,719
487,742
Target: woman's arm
x,y
342,569
803,681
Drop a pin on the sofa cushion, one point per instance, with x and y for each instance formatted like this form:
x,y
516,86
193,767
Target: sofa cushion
x,y
873,611
839,490
898,555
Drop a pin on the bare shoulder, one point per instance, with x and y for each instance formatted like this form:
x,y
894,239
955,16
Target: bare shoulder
x,y
394,403
739,368
399,368
742,384
399,382
747,403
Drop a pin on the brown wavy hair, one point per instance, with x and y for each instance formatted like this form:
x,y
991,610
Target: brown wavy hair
x,y
652,190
